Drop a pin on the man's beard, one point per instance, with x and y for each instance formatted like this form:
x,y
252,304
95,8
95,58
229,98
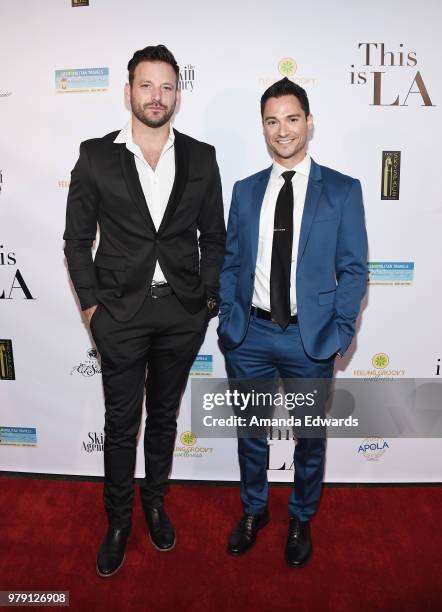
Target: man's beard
x,y
138,111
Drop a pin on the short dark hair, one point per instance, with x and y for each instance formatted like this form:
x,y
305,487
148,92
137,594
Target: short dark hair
x,y
153,53
285,87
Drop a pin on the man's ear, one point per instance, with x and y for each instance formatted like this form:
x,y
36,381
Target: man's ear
x,y
127,94
310,122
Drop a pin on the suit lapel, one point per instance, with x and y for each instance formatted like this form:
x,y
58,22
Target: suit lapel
x,y
133,184
314,189
258,192
181,174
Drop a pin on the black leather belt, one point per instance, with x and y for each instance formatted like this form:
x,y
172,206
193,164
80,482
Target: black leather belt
x,y
160,290
266,315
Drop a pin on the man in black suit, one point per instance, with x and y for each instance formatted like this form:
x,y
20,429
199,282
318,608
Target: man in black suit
x,y
152,287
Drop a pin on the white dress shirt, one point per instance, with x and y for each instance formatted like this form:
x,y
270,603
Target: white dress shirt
x,y
261,293
156,184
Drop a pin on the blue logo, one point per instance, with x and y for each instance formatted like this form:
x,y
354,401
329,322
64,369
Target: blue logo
x,y
82,79
18,436
390,272
202,366
373,448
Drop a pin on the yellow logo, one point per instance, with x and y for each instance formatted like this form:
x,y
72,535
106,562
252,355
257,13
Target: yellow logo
x,y
188,438
287,66
380,361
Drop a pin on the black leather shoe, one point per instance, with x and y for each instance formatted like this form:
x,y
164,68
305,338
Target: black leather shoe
x,y
161,531
244,535
111,556
299,543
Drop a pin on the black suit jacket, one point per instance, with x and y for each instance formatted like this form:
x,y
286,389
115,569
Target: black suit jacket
x,y
105,189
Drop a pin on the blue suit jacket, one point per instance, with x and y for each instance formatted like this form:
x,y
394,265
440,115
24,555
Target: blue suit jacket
x,y
331,271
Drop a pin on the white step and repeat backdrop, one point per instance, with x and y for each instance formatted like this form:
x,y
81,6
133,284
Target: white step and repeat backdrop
x,y
372,74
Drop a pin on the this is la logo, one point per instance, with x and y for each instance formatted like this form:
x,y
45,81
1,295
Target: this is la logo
x,y
380,361
375,55
287,66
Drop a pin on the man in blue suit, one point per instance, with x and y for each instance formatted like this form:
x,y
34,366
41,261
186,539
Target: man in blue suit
x,y
294,275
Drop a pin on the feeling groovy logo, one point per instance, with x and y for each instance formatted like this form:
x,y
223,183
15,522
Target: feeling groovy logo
x,y
287,67
380,368
394,75
188,447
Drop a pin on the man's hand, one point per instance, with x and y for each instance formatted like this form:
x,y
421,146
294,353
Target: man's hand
x,y
88,312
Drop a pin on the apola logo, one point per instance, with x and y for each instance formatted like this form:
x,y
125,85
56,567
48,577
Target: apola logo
x,y
188,438
373,448
375,55
380,361
287,66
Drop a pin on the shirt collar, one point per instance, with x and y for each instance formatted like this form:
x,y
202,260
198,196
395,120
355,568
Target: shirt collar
x,y
125,137
303,167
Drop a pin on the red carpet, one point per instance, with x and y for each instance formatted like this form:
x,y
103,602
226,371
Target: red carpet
x,y
374,549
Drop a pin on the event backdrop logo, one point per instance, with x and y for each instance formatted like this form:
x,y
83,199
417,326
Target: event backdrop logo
x,y
94,442
18,436
397,273
287,66
379,363
7,370
64,183
187,78
82,80
90,366
10,286
189,448
373,448
1,181
5,94
80,2
386,64
391,175
438,367
202,366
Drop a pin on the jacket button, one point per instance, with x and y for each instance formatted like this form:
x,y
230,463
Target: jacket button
x,y
157,241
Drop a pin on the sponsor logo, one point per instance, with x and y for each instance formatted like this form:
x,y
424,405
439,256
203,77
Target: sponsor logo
x,y
18,436
202,366
287,67
373,448
82,80
189,448
188,438
7,370
90,366
280,456
380,363
391,175
397,273
438,368
94,442
392,66
8,286
64,184
1,181
5,94
80,2
187,77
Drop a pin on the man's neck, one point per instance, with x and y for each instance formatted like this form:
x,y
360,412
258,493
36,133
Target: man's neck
x,y
148,138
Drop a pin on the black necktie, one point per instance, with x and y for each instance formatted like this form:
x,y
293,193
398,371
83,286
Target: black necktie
x,y
282,253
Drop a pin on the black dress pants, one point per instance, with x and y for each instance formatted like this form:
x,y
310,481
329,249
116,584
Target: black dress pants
x,y
164,339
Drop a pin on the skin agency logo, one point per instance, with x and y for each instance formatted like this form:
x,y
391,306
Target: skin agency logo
x,y
187,78
395,70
